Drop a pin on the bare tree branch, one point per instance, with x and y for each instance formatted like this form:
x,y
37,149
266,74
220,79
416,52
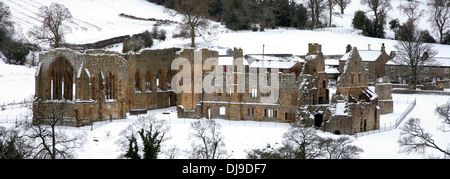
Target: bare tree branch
x,y
52,30
414,139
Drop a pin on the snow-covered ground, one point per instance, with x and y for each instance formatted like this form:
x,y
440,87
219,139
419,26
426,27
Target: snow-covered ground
x,y
239,137
95,20
16,83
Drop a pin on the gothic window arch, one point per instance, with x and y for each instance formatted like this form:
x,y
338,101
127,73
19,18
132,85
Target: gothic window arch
x,y
83,84
148,81
60,80
94,88
111,86
169,79
137,82
160,80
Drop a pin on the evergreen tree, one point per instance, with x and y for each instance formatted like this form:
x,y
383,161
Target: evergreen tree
x,y
379,9
283,11
217,10
151,132
236,15
300,17
152,143
133,149
359,20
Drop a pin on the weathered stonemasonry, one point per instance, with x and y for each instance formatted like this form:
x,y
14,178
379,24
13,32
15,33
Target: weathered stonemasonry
x,y
374,61
97,85
237,94
354,108
313,92
383,88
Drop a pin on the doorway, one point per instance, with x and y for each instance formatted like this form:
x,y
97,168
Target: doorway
x,y
318,120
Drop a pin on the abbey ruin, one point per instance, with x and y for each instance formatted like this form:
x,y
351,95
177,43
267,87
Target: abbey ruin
x,y
97,85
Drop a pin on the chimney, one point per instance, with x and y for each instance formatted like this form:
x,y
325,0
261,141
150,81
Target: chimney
x,y
392,54
314,48
348,48
230,52
383,48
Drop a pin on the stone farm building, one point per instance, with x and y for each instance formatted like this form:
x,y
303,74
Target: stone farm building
x,y
97,85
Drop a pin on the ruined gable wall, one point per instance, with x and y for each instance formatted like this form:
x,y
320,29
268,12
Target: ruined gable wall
x,y
148,64
89,71
189,101
354,79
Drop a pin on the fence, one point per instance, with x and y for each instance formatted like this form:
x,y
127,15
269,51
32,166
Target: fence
x,y
18,102
397,123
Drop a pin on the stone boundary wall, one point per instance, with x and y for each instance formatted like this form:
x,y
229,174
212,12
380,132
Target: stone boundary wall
x,y
409,91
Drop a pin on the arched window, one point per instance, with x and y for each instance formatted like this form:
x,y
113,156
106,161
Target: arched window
x,y
169,79
94,86
137,81
148,81
159,80
83,84
61,80
111,86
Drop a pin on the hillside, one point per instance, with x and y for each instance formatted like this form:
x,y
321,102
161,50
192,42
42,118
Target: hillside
x,y
95,20
92,20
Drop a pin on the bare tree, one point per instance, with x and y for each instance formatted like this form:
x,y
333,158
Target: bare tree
x,y
343,4
440,16
412,10
339,148
48,141
194,13
330,4
211,145
52,30
413,52
443,112
301,142
316,8
414,139
379,8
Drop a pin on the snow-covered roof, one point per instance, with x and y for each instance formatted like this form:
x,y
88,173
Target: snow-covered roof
x,y
38,70
436,61
331,70
366,55
332,62
228,61
281,61
341,109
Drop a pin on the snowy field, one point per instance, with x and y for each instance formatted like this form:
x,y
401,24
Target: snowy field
x,y
239,137
95,20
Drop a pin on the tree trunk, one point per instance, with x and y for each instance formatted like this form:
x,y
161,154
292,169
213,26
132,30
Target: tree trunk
x,y
414,76
331,15
192,36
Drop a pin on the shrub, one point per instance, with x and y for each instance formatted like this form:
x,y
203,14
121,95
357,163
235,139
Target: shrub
x,y
359,20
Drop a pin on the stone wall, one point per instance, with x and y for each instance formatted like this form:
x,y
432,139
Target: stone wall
x,y
99,85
